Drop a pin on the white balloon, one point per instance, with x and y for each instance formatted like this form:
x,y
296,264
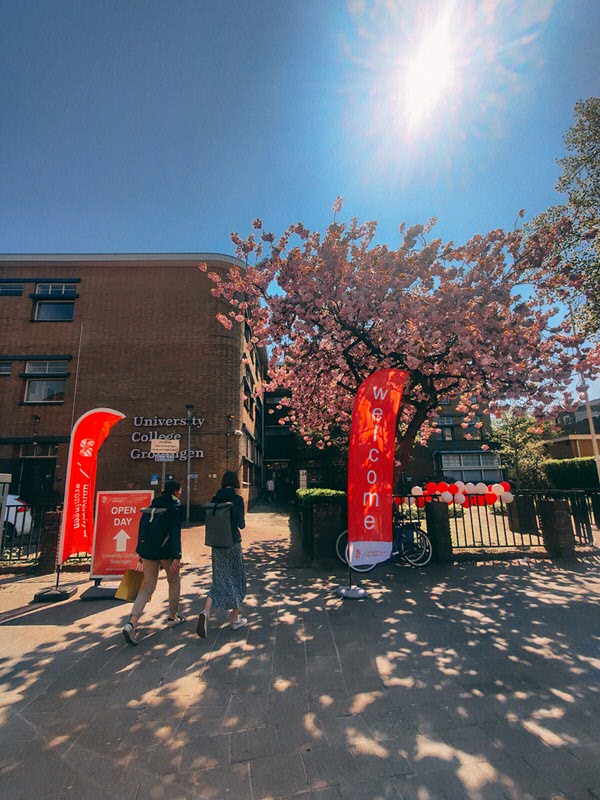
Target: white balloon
x,y
507,497
447,497
459,498
460,485
481,488
498,489
470,488
416,491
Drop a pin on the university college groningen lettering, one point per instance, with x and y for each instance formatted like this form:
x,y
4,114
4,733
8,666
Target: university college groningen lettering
x,y
147,436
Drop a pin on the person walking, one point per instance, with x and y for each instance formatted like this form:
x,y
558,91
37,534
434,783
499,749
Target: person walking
x,y
228,587
270,490
168,556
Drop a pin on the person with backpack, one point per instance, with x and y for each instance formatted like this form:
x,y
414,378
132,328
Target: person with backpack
x,y
228,587
159,545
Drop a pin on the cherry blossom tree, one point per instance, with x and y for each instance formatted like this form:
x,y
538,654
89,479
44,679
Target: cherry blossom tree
x,y
468,323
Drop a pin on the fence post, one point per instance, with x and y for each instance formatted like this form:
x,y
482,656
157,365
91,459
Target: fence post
x,y
326,527
521,515
438,530
557,528
49,536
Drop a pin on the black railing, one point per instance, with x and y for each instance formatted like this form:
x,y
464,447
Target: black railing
x,y
511,526
21,531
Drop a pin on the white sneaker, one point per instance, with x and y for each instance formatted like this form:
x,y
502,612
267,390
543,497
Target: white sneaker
x,y
130,633
239,623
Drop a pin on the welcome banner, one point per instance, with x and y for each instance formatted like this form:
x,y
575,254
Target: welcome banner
x,y
371,466
77,527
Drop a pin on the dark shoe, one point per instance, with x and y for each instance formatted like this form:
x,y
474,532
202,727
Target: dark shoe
x,y
202,626
172,622
130,634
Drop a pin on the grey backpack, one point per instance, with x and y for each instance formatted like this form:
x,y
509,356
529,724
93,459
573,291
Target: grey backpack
x,y
218,530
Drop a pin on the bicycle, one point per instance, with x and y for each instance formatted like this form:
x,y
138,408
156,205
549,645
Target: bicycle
x,y
409,543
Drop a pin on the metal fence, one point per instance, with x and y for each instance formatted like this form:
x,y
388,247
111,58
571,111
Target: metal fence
x,y
21,530
514,526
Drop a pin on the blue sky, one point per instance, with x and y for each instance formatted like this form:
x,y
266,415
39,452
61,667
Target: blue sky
x,y
163,125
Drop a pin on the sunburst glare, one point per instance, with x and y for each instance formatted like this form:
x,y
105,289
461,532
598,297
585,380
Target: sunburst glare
x,y
430,73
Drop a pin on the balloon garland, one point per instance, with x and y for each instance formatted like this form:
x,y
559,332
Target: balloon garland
x,y
463,494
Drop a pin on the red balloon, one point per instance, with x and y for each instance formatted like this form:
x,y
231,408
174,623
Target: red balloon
x,y
431,487
505,485
420,502
490,498
453,488
398,500
467,502
442,486
480,500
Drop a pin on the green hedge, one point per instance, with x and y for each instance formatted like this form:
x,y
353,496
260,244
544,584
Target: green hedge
x,y
312,497
572,473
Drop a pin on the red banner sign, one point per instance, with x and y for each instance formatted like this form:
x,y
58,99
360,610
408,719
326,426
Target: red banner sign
x,y
371,466
77,528
115,535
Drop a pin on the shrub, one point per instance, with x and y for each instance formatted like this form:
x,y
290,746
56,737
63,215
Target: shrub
x,y
572,473
312,497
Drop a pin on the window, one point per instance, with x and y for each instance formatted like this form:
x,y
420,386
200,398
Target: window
x,y
38,450
473,467
56,289
49,389
49,367
45,391
447,420
447,434
5,367
53,312
11,290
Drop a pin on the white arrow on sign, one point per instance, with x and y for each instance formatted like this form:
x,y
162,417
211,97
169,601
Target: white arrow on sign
x,y
121,538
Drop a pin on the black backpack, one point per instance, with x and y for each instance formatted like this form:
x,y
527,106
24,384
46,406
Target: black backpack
x,y
151,533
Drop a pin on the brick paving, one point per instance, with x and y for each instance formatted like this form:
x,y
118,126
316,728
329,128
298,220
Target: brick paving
x,y
471,681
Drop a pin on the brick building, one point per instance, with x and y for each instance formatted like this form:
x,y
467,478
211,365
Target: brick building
x,y
138,334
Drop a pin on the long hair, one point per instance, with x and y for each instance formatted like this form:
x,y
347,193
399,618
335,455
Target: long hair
x,y
230,478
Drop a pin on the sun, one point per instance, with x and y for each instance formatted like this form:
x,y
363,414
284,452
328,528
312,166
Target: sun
x,y
430,74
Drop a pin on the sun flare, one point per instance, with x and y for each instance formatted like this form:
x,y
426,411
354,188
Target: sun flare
x,y
430,73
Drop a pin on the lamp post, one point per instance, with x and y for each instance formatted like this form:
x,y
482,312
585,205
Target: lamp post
x,y
189,408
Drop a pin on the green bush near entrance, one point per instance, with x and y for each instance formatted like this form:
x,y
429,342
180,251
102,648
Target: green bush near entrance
x,y
311,497
572,473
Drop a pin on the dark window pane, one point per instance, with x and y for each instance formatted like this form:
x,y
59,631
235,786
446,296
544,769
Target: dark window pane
x,y
54,311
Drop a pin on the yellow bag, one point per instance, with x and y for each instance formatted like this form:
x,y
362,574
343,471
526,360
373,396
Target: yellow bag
x,y
130,585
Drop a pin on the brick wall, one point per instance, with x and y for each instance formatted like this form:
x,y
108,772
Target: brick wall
x,y
144,341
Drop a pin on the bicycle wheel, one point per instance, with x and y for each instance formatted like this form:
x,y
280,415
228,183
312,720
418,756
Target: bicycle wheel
x,y
341,548
417,550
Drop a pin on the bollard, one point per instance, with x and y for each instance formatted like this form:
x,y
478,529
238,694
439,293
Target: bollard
x,y
557,528
438,530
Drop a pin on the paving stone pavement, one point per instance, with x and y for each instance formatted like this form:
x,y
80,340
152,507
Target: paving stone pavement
x,y
467,681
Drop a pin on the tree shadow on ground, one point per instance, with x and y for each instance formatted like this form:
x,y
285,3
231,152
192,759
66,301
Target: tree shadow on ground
x,y
458,682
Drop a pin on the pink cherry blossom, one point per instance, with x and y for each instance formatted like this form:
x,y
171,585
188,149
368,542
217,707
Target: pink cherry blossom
x,y
473,323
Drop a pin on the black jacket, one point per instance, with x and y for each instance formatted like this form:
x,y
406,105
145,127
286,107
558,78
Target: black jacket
x,y
171,525
229,495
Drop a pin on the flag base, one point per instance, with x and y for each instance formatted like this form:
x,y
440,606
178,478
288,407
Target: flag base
x,y
351,592
53,595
